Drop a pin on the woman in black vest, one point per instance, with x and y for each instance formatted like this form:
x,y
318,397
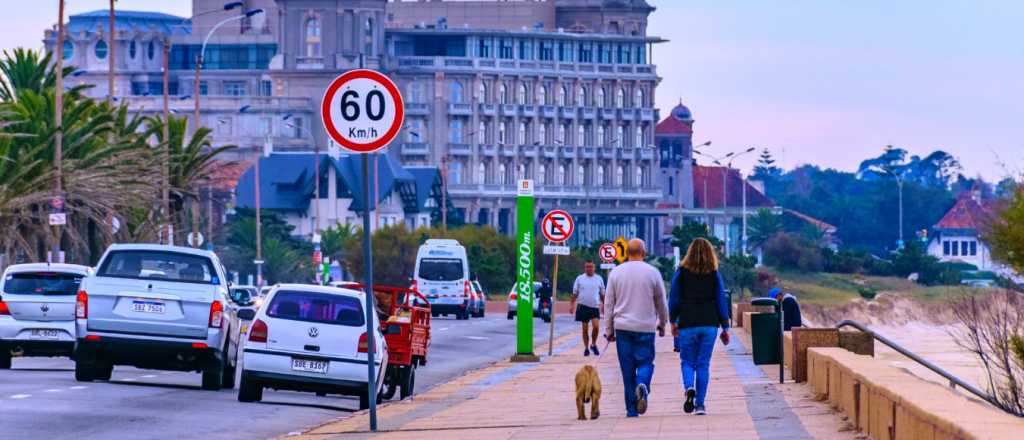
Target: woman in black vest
x,y
697,308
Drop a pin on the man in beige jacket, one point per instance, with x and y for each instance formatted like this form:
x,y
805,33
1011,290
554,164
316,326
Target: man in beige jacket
x,y
635,307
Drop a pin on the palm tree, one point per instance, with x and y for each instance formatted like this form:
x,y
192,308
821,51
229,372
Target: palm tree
x,y
763,226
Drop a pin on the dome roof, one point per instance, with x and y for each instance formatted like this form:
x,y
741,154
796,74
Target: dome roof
x,y
682,113
678,122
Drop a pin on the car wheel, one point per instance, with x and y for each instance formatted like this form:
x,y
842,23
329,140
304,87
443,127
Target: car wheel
x,y
103,371
546,318
321,394
249,390
5,360
213,375
408,381
228,381
510,316
84,371
364,400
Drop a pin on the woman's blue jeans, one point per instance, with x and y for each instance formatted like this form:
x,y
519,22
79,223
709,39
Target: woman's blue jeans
x,y
695,347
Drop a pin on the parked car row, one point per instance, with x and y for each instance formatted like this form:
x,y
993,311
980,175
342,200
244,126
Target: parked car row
x,y
542,311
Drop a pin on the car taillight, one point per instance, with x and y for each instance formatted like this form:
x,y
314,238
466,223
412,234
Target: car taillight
x,y
258,332
465,289
82,305
362,348
216,314
512,296
4,310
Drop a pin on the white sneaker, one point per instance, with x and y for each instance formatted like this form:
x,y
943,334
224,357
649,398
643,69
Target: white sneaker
x,y
700,411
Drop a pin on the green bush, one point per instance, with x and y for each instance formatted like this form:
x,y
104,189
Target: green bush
x,y
788,251
867,293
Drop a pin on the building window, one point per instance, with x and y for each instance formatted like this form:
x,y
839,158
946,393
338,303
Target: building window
x,y
503,94
522,133
132,49
505,49
501,174
561,175
368,37
620,98
481,133
963,248
620,137
69,50
955,246
484,48
542,95
224,126
413,133
600,175
204,89
521,95
481,92
525,50
266,125
455,131
945,247
101,49
234,88
501,133
638,98
521,171
619,174
150,50
415,91
564,51
481,173
561,96
561,133
266,87
586,53
580,135
639,177
455,91
581,175
455,173
671,186
542,174
547,51
600,98
313,37
974,248
542,134
639,141
600,135
297,126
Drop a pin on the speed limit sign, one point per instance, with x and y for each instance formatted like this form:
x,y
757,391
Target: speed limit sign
x,y
362,110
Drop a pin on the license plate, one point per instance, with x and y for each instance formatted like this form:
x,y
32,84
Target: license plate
x,y
148,307
309,366
44,334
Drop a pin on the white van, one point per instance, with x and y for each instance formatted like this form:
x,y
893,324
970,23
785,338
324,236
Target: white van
x,y
442,275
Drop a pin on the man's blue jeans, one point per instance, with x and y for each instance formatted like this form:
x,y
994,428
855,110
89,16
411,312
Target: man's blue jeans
x,y
695,347
636,359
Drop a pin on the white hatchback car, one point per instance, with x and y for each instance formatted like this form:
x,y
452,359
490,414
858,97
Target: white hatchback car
x,y
311,338
37,309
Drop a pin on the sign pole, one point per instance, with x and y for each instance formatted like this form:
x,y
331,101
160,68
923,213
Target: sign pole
x,y
554,301
524,273
371,345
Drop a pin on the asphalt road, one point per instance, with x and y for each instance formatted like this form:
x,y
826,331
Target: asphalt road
x,y
40,399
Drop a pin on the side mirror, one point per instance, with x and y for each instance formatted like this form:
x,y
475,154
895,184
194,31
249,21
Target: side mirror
x,y
246,314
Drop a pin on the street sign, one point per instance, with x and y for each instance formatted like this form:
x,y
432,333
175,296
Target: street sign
x,y
56,204
58,219
557,226
606,252
620,250
362,110
556,250
524,267
316,239
317,257
607,266
195,239
525,188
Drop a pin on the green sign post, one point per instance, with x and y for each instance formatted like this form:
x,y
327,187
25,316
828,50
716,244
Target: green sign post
x,y
524,272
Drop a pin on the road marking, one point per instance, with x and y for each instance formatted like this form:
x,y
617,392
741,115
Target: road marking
x,y
442,329
149,376
130,379
477,338
78,387
20,396
55,390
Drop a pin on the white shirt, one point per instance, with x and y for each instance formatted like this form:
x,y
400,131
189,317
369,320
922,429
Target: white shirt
x,y
588,290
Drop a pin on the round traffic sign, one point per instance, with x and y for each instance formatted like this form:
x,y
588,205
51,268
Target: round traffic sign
x,y
606,252
195,239
362,110
557,226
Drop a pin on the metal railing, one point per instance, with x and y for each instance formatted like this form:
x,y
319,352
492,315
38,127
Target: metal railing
x,y
954,381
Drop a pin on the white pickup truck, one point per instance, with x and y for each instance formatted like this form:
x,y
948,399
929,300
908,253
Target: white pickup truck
x,y
156,307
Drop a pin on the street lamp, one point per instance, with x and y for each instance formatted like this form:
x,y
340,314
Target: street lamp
x,y
725,183
202,50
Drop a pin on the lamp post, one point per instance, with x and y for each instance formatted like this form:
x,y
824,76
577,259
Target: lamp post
x,y
725,184
743,180
59,120
679,181
199,58
110,53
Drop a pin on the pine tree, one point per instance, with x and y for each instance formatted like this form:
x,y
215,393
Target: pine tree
x,y
766,169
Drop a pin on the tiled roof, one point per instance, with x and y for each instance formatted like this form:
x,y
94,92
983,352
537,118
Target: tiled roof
x,y
822,226
713,177
966,213
226,173
678,121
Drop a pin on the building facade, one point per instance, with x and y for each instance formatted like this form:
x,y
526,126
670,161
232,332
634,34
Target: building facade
x,y
560,91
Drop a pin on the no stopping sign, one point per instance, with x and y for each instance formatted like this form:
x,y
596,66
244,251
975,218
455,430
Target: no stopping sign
x,y
362,110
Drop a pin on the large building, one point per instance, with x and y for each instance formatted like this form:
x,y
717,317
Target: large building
x,y
558,91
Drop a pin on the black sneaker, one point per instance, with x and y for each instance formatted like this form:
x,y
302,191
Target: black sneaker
x,y
586,352
593,349
690,394
641,398
700,411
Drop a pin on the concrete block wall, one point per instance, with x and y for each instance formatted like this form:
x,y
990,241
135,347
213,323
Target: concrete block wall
x,y
741,309
889,403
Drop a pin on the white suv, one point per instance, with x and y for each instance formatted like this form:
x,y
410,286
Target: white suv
x,y
158,307
37,309
311,338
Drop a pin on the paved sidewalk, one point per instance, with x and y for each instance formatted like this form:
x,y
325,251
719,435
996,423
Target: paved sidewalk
x,y
537,401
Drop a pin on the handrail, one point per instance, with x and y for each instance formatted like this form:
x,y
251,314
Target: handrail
x,y
953,380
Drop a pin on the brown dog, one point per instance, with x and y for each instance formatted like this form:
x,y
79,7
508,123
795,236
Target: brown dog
x,y
588,390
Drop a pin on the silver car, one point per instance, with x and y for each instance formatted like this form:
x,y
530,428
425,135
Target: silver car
x,y
157,307
37,310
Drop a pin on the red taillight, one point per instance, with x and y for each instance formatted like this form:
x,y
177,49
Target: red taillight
x,y
200,345
465,288
92,338
82,305
4,310
258,331
362,343
216,314
512,296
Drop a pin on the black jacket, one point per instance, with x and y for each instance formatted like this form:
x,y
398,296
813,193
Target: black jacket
x,y
698,300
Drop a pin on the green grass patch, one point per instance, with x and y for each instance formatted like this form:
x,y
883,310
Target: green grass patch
x,y
831,289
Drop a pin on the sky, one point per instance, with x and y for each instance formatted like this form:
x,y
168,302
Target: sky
x,y
825,82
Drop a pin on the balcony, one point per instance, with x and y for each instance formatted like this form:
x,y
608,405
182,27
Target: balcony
x,y
529,150
488,109
608,113
550,152
627,114
548,111
588,112
607,153
507,150
489,149
528,111
567,112
415,149
645,153
647,115
459,109
457,149
491,64
416,108
508,109
588,152
567,152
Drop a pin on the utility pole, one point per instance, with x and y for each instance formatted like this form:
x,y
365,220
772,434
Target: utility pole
x,y
110,55
165,162
725,206
59,119
259,228
376,191
444,194
209,217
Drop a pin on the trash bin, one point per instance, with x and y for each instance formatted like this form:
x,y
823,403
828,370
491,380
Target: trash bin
x,y
764,333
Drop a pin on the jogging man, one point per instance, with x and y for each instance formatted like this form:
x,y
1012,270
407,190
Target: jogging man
x,y
587,300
